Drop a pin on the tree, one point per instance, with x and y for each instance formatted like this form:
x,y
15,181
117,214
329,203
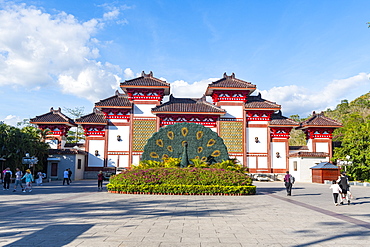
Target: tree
x,y
355,143
297,137
75,134
15,143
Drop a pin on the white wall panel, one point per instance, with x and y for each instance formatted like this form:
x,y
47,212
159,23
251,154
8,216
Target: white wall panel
x,y
252,161
96,161
144,110
123,161
278,163
113,143
233,111
322,147
262,162
112,160
261,146
135,159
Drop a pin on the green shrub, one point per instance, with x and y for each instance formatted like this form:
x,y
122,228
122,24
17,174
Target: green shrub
x,y
191,180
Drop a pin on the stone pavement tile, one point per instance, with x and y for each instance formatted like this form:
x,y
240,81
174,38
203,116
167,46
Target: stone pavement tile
x,y
228,240
157,231
210,235
114,238
123,232
200,240
268,245
174,239
140,234
146,244
215,244
97,244
136,239
181,244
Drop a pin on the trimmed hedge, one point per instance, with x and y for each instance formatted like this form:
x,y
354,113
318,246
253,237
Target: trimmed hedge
x,y
194,181
179,189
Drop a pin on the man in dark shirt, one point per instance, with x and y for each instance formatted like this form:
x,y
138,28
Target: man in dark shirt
x,y
69,175
344,185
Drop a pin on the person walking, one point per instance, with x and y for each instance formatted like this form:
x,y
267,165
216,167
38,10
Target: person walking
x,y
336,190
100,180
289,181
69,175
18,179
344,185
29,179
7,173
65,177
40,176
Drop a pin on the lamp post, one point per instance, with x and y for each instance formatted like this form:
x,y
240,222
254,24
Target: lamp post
x,y
2,160
30,161
345,163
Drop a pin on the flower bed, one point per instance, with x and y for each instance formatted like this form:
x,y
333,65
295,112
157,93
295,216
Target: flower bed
x,y
182,181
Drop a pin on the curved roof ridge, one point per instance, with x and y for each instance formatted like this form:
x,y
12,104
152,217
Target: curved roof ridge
x,y
319,119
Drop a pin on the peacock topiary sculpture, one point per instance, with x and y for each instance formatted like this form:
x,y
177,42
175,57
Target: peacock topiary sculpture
x,y
186,141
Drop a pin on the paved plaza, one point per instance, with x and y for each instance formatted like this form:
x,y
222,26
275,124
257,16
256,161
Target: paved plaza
x,y
79,215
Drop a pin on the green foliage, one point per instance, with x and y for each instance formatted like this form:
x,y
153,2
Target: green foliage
x,y
178,189
146,164
182,181
354,135
171,162
189,176
230,165
355,143
15,143
203,143
198,163
297,137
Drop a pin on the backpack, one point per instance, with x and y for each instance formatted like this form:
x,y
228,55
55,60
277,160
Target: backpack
x,y
7,175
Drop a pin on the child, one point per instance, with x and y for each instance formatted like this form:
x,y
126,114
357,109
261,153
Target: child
x,y
39,178
29,179
336,190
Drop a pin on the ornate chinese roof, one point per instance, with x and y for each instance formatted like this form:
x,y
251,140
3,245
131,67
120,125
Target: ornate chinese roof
x,y
230,83
53,117
310,154
297,148
277,119
92,118
146,81
256,102
116,101
66,151
319,120
188,106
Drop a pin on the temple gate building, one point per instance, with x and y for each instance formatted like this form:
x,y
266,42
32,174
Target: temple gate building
x,y
253,129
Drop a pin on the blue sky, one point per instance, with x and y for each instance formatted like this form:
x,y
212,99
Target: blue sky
x,y
304,55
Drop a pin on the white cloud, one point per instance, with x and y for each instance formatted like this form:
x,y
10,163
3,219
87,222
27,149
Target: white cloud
x,y
183,89
39,49
302,101
12,120
92,82
128,73
114,12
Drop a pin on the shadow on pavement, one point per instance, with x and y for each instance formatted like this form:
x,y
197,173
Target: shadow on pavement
x,y
335,237
53,235
271,190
